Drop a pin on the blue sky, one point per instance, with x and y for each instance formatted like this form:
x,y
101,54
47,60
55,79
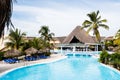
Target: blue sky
x,y
62,16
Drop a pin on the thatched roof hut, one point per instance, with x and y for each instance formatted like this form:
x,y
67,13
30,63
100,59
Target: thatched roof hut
x,y
12,53
78,35
61,39
31,50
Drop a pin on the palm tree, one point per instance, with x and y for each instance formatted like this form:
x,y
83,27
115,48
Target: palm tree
x,y
94,24
5,15
117,36
36,43
117,41
45,33
46,36
15,39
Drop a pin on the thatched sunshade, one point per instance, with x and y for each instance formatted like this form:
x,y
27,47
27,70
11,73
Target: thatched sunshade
x,y
12,53
31,50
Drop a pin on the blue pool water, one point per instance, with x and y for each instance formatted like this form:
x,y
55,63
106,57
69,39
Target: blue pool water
x,y
71,68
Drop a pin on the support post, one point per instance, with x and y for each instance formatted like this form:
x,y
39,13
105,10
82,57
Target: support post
x,y
73,48
61,50
86,48
97,48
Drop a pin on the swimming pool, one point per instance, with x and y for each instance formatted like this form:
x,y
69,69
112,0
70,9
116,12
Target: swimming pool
x,y
71,68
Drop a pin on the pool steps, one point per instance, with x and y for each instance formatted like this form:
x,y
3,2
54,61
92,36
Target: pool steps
x,y
83,54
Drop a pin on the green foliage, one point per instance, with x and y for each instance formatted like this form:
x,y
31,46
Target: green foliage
x,y
114,44
110,59
46,36
109,43
115,60
45,33
25,46
104,57
47,53
16,40
36,43
94,23
117,42
6,7
1,55
117,36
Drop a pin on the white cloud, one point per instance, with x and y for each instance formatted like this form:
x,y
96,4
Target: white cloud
x,y
30,28
63,21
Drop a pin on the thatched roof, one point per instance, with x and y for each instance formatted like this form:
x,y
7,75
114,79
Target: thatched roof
x,y
31,50
12,53
61,39
79,35
109,38
102,38
29,38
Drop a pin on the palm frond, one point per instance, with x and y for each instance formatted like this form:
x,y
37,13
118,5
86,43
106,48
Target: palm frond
x,y
97,13
117,35
104,26
89,29
9,44
6,7
91,16
94,24
15,39
98,18
85,26
103,20
86,22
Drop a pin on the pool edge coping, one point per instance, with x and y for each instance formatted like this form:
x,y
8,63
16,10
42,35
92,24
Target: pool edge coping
x,y
3,73
112,68
7,71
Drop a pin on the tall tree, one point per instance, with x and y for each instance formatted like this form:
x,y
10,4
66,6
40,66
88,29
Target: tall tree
x,y
45,33
117,41
46,36
36,43
15,39
94,24
5,15
117,36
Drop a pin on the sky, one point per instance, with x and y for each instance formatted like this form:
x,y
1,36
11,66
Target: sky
x,y
62,16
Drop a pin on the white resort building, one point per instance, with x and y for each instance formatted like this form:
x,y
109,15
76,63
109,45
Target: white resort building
x,y
77,40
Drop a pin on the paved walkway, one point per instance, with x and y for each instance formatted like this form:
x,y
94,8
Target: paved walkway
x,y
5,67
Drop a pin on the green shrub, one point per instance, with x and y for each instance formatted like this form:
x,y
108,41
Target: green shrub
x,y
115,60
111,59
1,55
104,57
47,53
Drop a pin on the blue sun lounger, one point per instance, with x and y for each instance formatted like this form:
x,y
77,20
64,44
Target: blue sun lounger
x,y
11,60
